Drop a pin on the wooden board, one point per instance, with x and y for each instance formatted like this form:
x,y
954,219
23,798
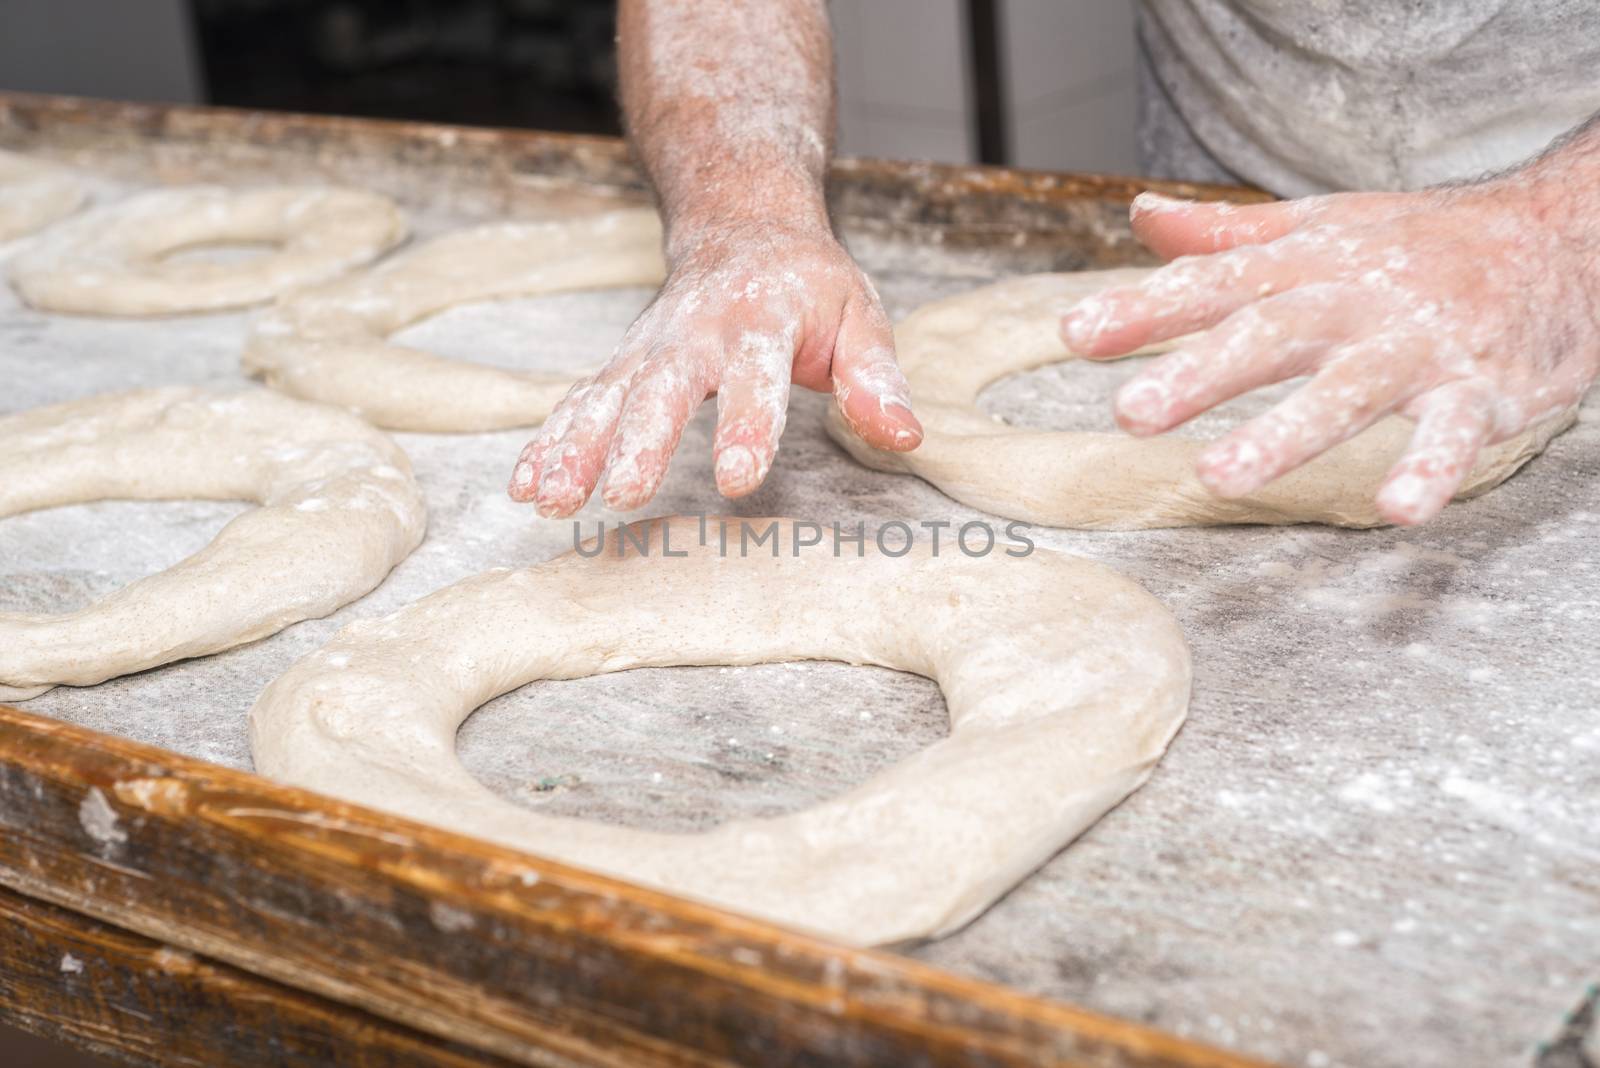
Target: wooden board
x,y
194,894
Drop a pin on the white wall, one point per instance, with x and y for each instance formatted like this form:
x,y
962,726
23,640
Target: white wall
x,y
902,79
1071,81
127,49
1073,84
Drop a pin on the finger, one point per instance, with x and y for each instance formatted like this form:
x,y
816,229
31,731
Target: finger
x,y
752,403
525,473
571,462
664,394
1187,294
869,388
1362,382
1453,422
1261,343
1171,227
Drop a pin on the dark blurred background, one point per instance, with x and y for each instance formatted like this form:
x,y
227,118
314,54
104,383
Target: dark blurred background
x,y
546,64
1031,83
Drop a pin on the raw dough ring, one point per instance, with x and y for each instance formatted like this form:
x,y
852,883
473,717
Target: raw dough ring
x,y
953,348
110,261
1064,681
34,194
331,343
338,509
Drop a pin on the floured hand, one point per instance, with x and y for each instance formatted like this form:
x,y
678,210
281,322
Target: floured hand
x,y
1471,310
745,310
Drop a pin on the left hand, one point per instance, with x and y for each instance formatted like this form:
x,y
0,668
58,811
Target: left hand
x,y
745,310
1471,310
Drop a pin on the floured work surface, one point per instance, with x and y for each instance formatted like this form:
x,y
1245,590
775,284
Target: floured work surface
x,y
1376,842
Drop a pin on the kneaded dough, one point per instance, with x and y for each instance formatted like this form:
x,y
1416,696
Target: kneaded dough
x,y
1064,682
331,343
953,348
338,509
34,194
113,260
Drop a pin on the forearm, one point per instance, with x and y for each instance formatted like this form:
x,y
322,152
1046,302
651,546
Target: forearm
x,y
1562,185
729,106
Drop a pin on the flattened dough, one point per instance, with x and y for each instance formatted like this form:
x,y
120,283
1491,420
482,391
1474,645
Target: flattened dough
x,y
951,349
1065,682
331,343
338,509
113,259
34,194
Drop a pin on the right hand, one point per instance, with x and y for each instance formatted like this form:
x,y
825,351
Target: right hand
x,y
1471,310
745,310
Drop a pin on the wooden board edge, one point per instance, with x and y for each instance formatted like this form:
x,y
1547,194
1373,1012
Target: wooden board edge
x,y
931,193
121,995
495,950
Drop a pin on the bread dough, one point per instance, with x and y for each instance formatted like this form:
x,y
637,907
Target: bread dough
x,y
34,194
1064,682
951,349
338,509
330,344
111,260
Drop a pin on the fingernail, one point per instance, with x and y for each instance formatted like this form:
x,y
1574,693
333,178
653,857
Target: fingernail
x,y
1408,500
907,427
1151,201
521,476
1141,405
1084,322
1234,469
555,491
623,482
738,471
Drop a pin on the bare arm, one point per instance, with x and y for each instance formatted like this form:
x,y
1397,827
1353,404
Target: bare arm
x,y
730,108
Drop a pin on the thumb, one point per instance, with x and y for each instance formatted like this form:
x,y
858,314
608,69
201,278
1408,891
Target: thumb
x,y
1171,228
872,394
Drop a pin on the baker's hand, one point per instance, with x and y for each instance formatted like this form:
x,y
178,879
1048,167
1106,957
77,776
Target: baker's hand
x,y
744,311
1470,310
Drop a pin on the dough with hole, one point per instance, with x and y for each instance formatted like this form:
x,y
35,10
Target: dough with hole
x,y
34,194
118,259
338,509
953,348
331,343
1064,682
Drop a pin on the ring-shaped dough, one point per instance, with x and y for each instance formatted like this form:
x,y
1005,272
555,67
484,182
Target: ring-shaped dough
x,y
1064,682
34,194
951,349
338,509
331,343
113,260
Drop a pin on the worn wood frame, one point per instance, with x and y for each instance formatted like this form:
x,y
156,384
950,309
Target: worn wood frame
x,y
170,911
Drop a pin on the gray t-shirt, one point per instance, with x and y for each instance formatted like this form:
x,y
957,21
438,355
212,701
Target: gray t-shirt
x,y
1312,96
